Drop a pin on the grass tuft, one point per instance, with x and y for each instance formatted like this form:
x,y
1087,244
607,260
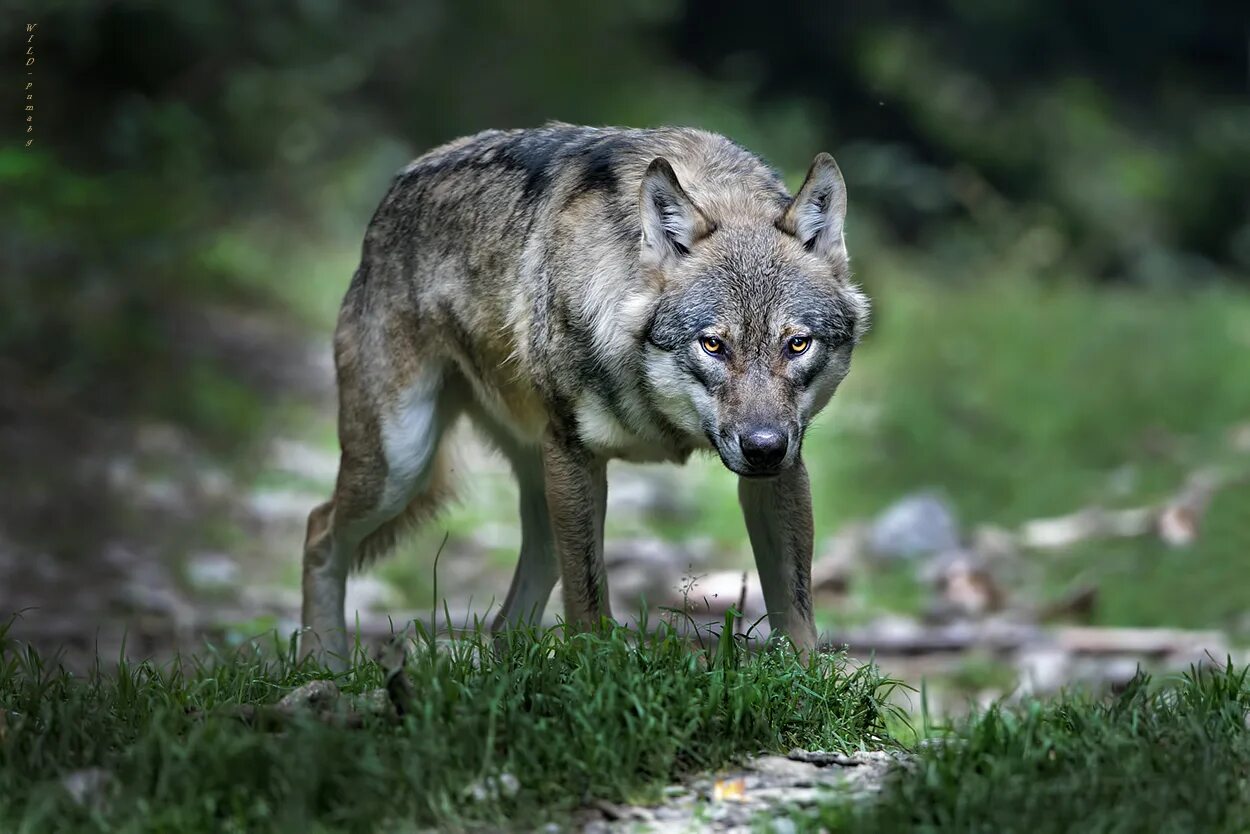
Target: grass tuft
x,y
1171,758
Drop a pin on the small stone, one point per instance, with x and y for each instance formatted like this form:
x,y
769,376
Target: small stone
x,y
317,695
88,787
373,702
478,791
821,758
493,787
509,785
917,524
799,774
782,825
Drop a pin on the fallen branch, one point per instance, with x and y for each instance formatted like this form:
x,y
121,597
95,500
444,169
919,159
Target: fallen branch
x,y
1175,520
916,639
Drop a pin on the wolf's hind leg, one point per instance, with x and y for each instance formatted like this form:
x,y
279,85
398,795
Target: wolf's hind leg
x,y
537,567
389,477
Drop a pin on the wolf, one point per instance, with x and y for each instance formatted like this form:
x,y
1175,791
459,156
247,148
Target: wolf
x,y
585,294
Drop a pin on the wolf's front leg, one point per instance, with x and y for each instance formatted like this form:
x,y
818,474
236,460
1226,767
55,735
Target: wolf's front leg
x,y
778,513
577,494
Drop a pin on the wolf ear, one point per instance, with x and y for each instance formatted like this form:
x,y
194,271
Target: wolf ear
x,y
671,222
816,215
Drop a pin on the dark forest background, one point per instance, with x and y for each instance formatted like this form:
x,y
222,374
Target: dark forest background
x,y
1122,139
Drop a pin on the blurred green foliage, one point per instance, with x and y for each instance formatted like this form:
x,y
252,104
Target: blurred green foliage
x,y
1123,133
202,148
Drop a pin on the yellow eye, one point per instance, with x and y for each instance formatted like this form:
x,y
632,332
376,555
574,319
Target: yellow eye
x,y
798,345
711,344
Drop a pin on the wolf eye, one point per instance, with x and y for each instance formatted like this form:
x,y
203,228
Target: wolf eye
x,y
798,345
711,345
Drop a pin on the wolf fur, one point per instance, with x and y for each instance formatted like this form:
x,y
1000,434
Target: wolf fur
x,y
584,294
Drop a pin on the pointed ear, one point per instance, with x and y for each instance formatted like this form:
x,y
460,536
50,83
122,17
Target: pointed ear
x,y
671,222
818,211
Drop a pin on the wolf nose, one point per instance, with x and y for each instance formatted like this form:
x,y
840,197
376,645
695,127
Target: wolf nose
x,y
763,448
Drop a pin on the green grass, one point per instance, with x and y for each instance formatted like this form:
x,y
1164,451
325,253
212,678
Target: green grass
x,y
1172,758
611,714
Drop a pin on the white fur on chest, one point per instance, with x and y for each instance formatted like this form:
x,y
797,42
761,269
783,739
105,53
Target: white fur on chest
x,y
602,433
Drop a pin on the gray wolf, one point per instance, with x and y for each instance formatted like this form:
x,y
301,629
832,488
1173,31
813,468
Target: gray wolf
x,y
585,294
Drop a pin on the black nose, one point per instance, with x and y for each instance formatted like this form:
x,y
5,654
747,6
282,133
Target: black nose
x,y
763,448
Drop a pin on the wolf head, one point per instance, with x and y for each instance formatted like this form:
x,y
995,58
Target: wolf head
x,y
755,316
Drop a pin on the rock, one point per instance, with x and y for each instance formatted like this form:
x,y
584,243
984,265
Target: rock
x,y
615,812
505,786
781,768
782,825
509,785
766,789
918,524
822,758
316,695
88,787
373,702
